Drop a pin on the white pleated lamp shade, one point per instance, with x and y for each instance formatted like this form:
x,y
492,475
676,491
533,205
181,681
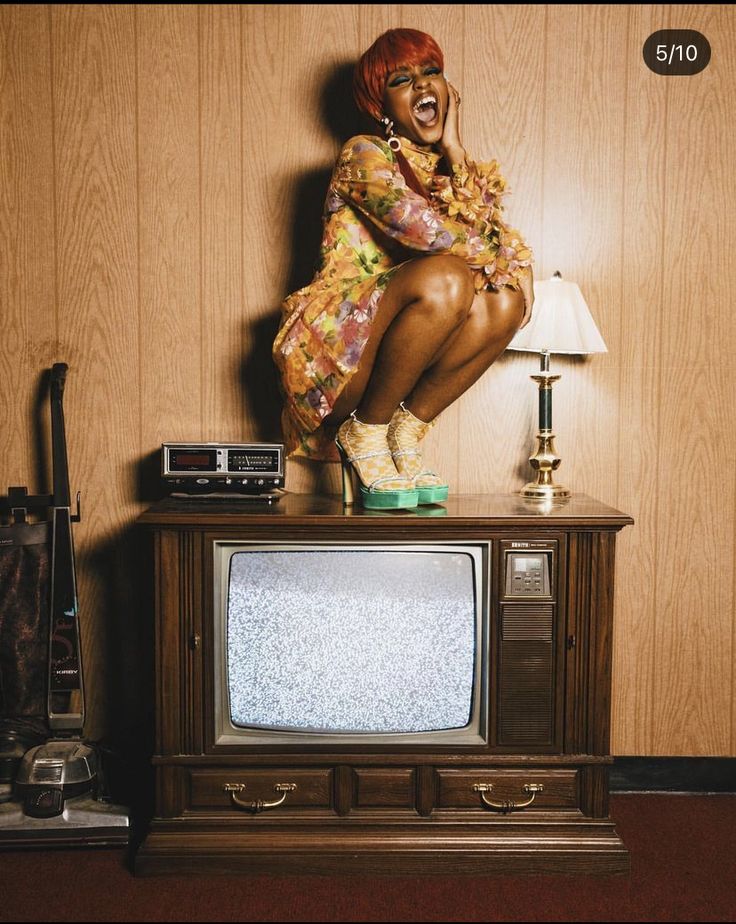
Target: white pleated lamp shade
x,y
561,321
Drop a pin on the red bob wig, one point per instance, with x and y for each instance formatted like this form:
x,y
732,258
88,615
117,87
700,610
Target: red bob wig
x,y
395,48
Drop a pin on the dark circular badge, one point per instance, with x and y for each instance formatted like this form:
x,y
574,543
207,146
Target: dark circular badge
x,y
676,52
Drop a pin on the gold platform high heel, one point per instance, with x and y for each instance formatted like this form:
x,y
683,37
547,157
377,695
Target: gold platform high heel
x,y
405,432
363,449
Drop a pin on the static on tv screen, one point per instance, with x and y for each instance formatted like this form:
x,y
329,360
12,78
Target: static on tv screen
x,y
351,641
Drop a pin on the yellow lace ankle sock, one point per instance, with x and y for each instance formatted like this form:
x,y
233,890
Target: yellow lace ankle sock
x,y
405,432
366,448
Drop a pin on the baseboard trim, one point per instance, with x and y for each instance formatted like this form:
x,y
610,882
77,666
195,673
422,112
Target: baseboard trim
x,y
673,774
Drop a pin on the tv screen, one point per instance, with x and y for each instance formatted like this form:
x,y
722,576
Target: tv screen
x,y
351,642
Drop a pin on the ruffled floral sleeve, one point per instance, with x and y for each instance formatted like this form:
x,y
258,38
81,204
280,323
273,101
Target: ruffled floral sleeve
x,y
474,194
461,216
368,178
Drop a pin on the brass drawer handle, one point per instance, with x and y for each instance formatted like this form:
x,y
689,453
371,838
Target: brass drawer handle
x,y
507,805
259,805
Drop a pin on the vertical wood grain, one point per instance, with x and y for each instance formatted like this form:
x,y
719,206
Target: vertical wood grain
x,y
27,266
95,222
641,313
504,119
696,510
376,18
222,219
583,185
169,196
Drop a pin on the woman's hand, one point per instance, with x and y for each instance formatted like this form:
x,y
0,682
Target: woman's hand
x,y
526,284
450,144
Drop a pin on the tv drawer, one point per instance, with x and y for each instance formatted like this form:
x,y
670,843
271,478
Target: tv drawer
x,y
277,790
503,791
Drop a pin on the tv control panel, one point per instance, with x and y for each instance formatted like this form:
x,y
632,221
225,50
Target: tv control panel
x,y
528,572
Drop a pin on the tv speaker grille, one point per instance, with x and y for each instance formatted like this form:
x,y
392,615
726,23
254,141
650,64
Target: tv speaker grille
x,y
527,621
526,693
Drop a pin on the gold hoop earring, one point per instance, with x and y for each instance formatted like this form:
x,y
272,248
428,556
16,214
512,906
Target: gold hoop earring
x,y
393,140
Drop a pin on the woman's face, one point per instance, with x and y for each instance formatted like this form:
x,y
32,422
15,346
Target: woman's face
x,y
415,99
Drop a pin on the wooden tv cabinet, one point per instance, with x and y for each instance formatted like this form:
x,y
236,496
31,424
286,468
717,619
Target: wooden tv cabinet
x,y
534,798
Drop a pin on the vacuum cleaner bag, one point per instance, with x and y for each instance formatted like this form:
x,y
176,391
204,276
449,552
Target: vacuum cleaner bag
x,y
24,640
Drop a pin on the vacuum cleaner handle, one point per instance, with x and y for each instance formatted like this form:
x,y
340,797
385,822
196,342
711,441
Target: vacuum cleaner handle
x,y
61,497
65,690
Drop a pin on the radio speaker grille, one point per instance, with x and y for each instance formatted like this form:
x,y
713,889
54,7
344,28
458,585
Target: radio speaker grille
x,y
526,687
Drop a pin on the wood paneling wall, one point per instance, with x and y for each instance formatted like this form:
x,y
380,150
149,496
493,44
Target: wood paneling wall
x,y
163,169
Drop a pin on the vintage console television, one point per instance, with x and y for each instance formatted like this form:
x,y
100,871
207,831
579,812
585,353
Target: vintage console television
x,y
343,690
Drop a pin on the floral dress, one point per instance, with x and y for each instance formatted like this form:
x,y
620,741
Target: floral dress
x,y
374,222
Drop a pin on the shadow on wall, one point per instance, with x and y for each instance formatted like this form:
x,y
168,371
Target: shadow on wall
x,y
341,119
259,380
338,112
123,685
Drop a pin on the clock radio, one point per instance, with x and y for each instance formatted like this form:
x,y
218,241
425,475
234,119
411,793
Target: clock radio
x,y
246,469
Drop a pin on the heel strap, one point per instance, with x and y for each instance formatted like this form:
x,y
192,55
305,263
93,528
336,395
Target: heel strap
x,y
374,484
365,455
368,455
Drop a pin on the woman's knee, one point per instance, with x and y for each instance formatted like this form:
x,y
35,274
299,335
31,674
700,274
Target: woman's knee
x,y
501,312
445,286
511,310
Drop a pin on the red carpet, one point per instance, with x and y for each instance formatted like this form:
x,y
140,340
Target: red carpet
x,y
683,868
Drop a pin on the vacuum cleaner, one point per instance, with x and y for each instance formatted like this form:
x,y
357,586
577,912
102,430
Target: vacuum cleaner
x,y
60,782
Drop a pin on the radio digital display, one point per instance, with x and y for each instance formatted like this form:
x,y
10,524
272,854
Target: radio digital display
x,y
181,460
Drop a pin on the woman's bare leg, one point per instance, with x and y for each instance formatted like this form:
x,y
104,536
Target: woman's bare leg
x,y
427,301
432,338
492,322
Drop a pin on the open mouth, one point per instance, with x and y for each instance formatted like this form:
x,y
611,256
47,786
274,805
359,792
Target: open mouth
x,y
426,109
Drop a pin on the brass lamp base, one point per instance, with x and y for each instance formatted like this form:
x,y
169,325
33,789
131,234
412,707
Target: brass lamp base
x,y
545,491
544,462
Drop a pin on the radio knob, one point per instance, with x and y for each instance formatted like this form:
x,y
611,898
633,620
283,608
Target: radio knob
x,y
260,481
203,481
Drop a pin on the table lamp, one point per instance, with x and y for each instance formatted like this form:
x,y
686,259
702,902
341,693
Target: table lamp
x,y
561,323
